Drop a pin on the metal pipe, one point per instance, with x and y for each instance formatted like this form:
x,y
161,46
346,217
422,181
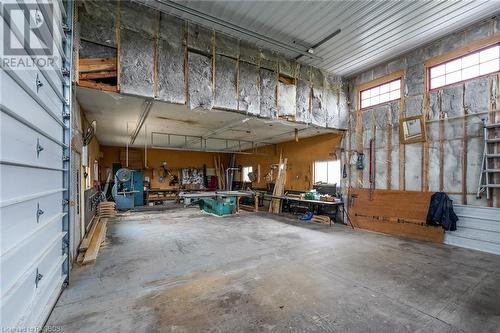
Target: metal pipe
x,y
148,104
227,25
230,183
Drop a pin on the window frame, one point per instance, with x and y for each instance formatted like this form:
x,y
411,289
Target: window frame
x,y
457,54
398,75
327,161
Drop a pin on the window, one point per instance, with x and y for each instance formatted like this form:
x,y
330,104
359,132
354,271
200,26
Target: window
x,y
472,65
327,172
382,93
246,171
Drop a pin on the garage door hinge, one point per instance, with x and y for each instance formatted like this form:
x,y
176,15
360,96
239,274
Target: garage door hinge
x,y
65,158
65,72
66,28
38,277
65,202
39,212
65,115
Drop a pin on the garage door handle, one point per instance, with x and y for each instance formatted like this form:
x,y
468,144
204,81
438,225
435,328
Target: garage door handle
x,y
39,83
39,213
38,277
39,148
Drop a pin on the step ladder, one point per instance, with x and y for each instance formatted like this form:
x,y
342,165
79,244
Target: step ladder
x,y
487,176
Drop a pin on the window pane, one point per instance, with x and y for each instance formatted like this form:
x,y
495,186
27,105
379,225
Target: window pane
x,y
320,172
470,60
453,77
365,94
396,94
438,82
375,91
365,103
489,54
453,66
384,98
334,172
375,100
470,72
437,71
384,88
396,85
488,67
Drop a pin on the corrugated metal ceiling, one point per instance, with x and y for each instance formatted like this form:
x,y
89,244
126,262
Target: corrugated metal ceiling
x,y
372,31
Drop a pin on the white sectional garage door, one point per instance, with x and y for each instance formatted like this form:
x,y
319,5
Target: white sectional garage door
x,y
34,160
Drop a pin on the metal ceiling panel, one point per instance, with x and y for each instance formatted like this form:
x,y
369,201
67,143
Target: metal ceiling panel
x,y
372,31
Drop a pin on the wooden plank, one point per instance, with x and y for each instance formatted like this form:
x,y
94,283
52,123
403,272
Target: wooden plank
x,y
95,243
97,75
98,86
86,240
406,218
96,64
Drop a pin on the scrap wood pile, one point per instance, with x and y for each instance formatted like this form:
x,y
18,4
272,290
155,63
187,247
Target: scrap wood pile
x,y
98,73
90,245
321,219
106,209
279,186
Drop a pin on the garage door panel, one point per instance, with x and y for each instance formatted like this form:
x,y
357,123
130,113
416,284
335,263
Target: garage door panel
x,y
24,219
17,302
27,146
19,260
18,22
26,107
34,165
20,182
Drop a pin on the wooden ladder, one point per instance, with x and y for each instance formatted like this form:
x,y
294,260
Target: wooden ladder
x,y
491,161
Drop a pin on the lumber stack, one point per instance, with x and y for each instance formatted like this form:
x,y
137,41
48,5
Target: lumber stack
x,y
321,219
279,186
106,209
98,73
90,245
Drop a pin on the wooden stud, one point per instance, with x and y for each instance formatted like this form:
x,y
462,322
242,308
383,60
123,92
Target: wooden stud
x,y
389,150
118,45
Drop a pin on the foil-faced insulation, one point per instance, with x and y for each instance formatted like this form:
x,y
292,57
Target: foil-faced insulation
x,y
452,101
413,167
171,72
98,21
453,152
136,63
249,97
303,113
225,83
268,81
318,110
477,96
287,67
381,118
226,45
171,86
249,53
138,18
414,105
199,38
93,50
172,29
269,60
200,81
286,99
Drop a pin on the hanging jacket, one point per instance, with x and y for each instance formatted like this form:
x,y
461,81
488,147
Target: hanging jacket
x,y
441,212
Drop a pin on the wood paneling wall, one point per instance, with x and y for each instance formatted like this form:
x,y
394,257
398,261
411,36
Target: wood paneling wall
x,y
400,213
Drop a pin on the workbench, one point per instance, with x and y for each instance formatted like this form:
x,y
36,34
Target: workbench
x,y
313,205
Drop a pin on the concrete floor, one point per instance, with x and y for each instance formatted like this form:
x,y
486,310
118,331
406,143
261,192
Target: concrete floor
x,y
185,271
